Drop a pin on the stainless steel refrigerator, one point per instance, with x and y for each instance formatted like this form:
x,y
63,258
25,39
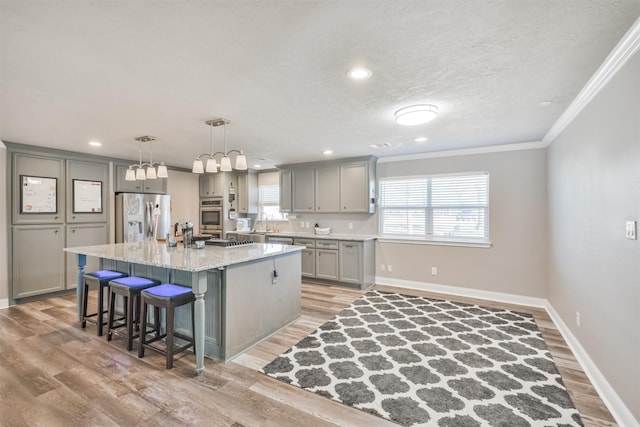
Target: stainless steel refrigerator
x,y
142,217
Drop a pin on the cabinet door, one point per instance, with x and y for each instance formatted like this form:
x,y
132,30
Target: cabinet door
x,y
210,185
84,235
124,186
308,262
328,189
351,262
248,192
303,181
81,178
37,202
354,187
37,259
327,264
285,190
155,186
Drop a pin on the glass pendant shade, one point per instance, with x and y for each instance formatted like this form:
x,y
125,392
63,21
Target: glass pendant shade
x,y
151,172
197,166
140,174
225,164
162,171
212,166
241,162
131,175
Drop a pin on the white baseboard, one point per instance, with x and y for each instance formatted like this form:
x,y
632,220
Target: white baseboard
x,y
618,409
4,303
616,406
464,292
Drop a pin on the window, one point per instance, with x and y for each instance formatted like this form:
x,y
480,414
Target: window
x,y
436,207
269,203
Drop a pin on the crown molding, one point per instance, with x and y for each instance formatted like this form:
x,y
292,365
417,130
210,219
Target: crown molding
x,y
624,50
466,151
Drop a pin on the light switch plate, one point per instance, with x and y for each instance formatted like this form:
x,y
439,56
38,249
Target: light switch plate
x,y
632,230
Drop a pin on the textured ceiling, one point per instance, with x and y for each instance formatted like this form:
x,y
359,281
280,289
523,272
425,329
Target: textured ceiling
x,y
74,71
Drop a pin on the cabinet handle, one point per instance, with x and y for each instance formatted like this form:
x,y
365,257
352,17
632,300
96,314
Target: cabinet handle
x,y
348,246
55,217
55,231
73,231
73,217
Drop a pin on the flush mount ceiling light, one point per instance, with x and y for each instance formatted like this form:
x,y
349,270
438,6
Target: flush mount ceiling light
x,y
225,160
327,152
416,114
142,171
359,73
421,139
95,143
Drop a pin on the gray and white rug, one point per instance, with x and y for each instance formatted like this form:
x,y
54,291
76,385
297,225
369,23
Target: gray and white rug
x,y
422,361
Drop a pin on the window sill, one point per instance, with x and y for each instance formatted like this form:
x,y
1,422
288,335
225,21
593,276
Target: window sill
x,y
436,242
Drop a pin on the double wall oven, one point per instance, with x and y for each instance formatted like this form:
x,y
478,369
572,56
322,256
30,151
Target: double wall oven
x,y
211,216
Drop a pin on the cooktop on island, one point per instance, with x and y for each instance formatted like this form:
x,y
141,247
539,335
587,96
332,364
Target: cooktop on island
x,y
226,243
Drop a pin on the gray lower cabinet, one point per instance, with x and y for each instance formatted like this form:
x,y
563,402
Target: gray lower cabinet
x,y
308,262
37,259
350,262
84,235
327,259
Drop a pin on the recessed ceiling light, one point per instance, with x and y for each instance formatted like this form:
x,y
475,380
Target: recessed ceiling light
x,y
545,103
327,152
421,139
95,143
359,73
416,114
257,166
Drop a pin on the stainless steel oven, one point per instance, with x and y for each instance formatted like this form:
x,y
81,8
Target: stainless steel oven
x,y
211,215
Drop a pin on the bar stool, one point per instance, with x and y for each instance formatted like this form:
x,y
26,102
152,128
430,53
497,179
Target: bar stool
x,y
129,288
97,280
167,296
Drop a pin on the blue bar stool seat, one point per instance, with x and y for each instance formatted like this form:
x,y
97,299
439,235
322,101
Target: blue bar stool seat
x,y
167,296
129,288
97,280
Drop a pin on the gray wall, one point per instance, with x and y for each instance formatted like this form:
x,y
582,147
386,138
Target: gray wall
x,y
516,263
594,187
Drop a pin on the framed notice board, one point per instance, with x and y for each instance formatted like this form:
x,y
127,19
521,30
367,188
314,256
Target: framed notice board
x,y
38,194
87,196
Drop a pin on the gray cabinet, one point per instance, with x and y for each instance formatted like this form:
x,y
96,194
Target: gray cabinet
x,y
308,256
154,186
327,189
84,235
28,167
357,191
327,259
211,185
80,174
248,192
303,182
286,191
37,259
350,262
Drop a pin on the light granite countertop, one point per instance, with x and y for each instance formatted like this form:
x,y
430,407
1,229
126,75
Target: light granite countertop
x,y
181,258
294,234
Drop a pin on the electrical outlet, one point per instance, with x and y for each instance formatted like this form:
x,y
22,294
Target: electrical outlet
x,y
578,318
301,224
383,267
631,232
306,224
434,271
274,277
350,226
389,268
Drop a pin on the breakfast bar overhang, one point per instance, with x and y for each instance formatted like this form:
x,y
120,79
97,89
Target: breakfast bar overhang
x,y
243,293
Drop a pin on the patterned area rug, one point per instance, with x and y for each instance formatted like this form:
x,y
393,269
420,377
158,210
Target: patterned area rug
x,y
422,361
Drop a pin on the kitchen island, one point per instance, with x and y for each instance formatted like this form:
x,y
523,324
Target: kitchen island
x,y
243,293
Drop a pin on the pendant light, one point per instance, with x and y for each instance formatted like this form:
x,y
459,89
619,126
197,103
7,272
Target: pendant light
x,y
225,160
143,171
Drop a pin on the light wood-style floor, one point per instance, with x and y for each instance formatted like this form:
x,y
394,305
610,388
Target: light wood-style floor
x,y
53,373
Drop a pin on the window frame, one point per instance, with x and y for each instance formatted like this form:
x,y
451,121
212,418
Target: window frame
x,y
428,238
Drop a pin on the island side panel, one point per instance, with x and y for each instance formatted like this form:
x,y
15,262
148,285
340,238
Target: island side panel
x,y
254,306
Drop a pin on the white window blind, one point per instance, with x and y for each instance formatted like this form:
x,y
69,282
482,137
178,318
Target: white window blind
x,y
269,202
436,207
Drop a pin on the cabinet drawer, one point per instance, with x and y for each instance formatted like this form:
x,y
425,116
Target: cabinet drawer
x,y
309,243
327,244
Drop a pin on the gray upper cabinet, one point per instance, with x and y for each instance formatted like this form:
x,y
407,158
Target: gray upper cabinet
x,y
248,192
211,185
346,186
84,235
83,204
37,259
285,190
38,189
327,189
155,186
357,192
303,190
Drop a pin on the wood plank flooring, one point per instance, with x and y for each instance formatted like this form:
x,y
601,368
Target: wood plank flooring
x,y
53,373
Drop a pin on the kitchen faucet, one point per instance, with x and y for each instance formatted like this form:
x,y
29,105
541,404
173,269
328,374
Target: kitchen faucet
x,y
265,219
